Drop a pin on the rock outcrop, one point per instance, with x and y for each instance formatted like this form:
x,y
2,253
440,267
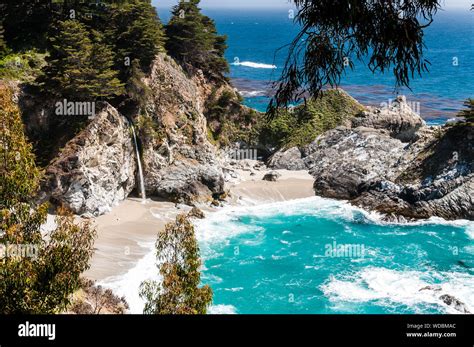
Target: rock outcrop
x,y
290,159
179,161
388,160
96,169
272,176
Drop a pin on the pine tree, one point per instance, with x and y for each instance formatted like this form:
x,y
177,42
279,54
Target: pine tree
x,y
468,113
193,41
179,291
78,67
137,33
42,278
104,81
68,72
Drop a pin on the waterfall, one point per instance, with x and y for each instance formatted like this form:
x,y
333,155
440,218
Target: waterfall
x,y
139,162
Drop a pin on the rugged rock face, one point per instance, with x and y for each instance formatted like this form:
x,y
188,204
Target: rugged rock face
x,y
388,160
179,161
96,169
291,159
398,118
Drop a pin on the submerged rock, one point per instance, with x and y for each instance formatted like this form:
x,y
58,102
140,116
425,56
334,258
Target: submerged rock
x,y
455,303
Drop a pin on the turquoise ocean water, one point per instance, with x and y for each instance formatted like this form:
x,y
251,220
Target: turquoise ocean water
x,y
278,258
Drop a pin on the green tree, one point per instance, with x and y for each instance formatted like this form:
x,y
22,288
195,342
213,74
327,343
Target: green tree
x,y
137,33
26,23
388,35
137,91
78,67
42,279
193,41
468,113
104,79
179,292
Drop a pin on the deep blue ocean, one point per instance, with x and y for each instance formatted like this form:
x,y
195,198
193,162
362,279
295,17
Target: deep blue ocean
x,y
254,37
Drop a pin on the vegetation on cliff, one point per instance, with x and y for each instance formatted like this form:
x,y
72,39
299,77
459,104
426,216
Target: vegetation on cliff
x,y
80,65
468,112
37,275
229,122
300,125
193,41
178,261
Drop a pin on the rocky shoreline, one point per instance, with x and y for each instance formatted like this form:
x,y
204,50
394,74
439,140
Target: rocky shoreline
x,y
389,161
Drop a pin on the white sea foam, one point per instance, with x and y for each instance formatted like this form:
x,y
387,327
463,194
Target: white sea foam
x,y
222,309
128,285
225,223
255,65
252,93
371,284
412,288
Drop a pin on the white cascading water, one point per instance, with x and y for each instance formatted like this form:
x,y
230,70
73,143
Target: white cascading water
x,y
140,170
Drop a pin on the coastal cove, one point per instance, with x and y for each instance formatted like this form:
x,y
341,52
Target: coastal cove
x,y
265,253
204,161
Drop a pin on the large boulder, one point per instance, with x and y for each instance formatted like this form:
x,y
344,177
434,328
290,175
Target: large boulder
x,y
344,159
290,159
96,169
397,117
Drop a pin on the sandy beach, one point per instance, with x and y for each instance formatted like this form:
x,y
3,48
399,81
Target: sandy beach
x,y
124,232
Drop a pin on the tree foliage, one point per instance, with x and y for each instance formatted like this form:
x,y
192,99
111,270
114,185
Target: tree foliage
x,y
386,35
42,281
193,41
26,23
468,113
179,291
79,67
137,33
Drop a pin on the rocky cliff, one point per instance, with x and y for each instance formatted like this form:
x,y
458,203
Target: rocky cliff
x,y
388,160
179,161
96,169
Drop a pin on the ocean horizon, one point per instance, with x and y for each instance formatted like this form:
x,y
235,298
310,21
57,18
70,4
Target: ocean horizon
x,y
254,37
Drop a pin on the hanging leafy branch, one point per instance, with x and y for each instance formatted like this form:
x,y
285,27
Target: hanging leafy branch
x,y
383,34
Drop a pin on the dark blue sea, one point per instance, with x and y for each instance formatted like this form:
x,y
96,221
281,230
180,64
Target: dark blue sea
x,y
254,36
